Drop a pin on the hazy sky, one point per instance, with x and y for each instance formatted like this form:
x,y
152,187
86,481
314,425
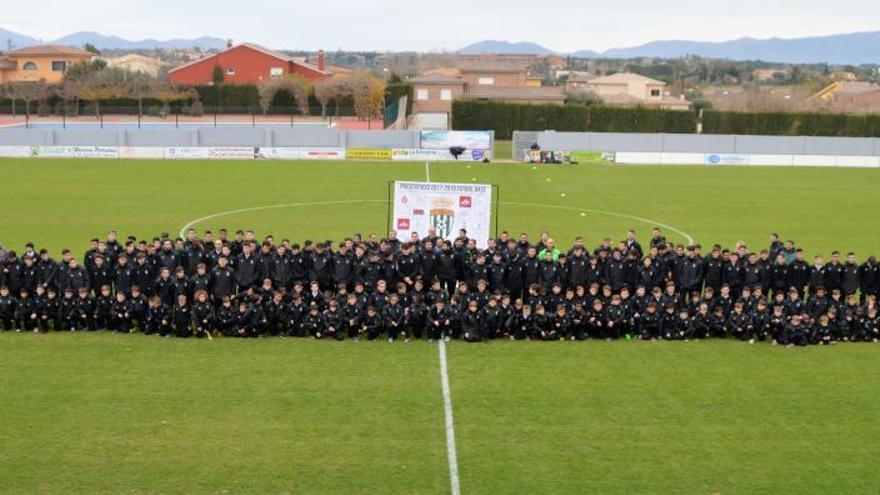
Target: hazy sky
x,y
444,25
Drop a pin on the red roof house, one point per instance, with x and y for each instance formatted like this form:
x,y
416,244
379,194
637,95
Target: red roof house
x,y
246,63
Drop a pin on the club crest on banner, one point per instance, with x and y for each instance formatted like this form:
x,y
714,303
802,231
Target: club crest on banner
x,y
442,216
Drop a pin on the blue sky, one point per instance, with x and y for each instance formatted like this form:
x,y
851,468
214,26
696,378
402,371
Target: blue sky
x,y
448,25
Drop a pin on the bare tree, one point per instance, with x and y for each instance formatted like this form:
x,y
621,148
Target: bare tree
x,y
27,91
167,94
295,84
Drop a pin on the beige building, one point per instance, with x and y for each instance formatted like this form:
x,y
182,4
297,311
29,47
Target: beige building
x,y
494,73
133,62
849,96
628,89
487,78
46,63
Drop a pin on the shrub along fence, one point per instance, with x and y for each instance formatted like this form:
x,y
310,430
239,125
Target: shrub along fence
x,y
791,124
504,118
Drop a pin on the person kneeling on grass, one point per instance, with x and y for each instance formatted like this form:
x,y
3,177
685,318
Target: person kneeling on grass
x,y
158,318
183,318
394,319
120,316
439,321
8,308
470,323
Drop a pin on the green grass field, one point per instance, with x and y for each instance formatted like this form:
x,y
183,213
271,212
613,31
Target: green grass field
x,y
102,413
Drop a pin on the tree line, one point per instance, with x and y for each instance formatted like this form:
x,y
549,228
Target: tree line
x,y
100,86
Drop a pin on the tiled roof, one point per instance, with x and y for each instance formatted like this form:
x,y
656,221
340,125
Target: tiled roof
x,y
517,93
48,50
435,79
492,66
625,78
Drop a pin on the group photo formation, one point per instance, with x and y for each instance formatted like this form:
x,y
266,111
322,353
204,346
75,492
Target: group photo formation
x,y
364,248
429,288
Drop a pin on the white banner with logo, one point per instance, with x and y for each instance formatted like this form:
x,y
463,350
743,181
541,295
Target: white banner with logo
x,y
96,152
417,154
270,153
150,152
15,151
210,153
447,208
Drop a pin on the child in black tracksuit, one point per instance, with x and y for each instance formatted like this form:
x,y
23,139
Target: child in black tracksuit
x,y
372,323
85,310
226,318
312,323
50,310
246,321
561,323
352,315
523,324
394,318
333,321
183,317
120,316
67,311
490,318
158,317
417,319
8,308
439,321
103,304
739,323
470,323
138,308
649,323
203,315
28,318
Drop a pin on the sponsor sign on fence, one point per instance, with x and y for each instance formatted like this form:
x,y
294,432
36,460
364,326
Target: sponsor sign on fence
x,y
210,153
447,208
443,140
270,153
437,155
368,154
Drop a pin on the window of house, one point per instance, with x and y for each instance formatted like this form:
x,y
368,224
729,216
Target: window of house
x,y
655,92
59,65
230,71
29,66
422,94
446,94
276,72
486,81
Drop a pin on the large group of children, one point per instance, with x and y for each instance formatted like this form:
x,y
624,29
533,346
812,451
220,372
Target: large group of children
x,y
431,288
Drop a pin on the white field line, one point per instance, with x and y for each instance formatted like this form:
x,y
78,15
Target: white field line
x,y
451,454
272,207
643,220
648,221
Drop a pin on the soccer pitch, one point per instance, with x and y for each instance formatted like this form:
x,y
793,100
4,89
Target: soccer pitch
x,y
104,413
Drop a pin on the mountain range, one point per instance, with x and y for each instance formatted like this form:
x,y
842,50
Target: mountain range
x,y
103,42
851,48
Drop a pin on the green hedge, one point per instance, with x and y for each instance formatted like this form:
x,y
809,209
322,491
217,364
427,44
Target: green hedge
x,y
504,118
229,96
791,124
